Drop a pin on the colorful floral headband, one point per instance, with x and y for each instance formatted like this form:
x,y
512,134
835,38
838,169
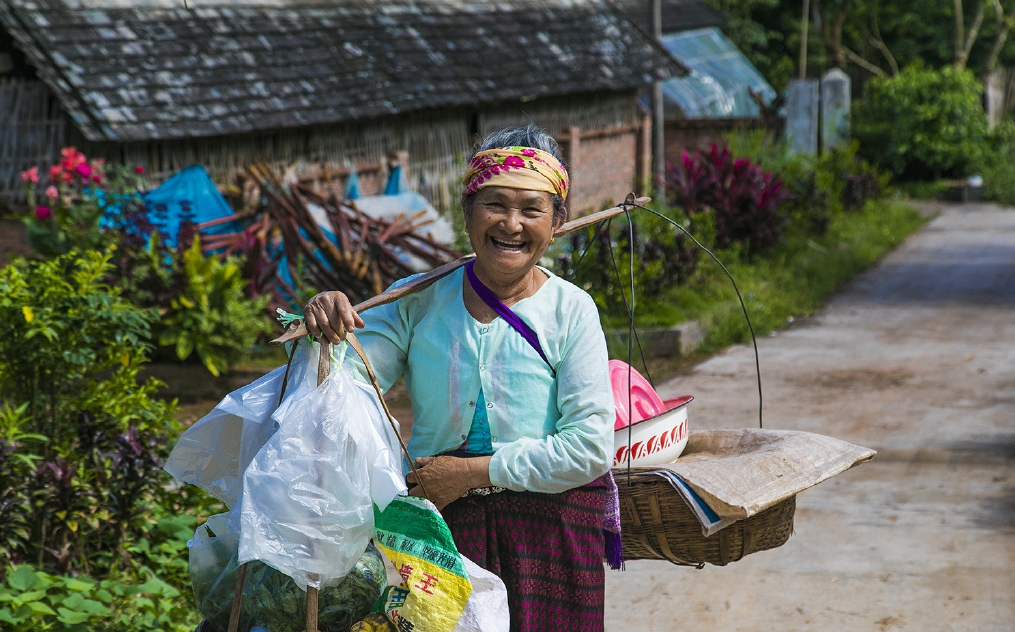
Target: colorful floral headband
x,y
516,168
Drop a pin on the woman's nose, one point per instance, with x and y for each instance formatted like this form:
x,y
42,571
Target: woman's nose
x,y
512,221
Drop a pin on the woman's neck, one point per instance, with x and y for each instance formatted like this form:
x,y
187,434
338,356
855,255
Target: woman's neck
x,y
511,290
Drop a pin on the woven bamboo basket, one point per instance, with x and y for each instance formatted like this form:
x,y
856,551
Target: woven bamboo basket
x,y
658,525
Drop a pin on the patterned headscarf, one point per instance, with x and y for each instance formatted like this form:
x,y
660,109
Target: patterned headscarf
x,y
516,168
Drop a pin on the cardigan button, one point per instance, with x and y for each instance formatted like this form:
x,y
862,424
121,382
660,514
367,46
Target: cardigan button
x,y
472,403
490,405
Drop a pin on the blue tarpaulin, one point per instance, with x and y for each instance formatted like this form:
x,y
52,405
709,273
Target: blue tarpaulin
x,y
189,195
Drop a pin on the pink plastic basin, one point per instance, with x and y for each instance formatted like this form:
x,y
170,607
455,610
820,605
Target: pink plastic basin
x,y
658,433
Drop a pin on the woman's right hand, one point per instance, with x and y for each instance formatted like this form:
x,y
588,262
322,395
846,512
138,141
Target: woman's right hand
x,y
330,314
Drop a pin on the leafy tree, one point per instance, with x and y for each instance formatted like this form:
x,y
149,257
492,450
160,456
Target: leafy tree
x,y
922,123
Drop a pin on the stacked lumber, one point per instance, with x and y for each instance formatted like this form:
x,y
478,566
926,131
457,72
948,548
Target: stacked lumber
x,y
290,255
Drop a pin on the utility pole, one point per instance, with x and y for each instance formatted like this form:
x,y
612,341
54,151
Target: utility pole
x,y
658,139
803,38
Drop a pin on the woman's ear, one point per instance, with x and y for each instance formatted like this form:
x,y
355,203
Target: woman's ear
x,y
557,223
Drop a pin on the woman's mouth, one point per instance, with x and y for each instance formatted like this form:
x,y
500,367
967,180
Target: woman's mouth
x,y
508,244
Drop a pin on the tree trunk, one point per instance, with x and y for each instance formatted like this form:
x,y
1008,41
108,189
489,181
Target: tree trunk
x,y
963,46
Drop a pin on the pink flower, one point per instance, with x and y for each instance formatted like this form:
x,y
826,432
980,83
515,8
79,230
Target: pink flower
x,y
52,192
514,161
54,173
96,179
32,175
71,158
528,152
139,169
42,212
83,170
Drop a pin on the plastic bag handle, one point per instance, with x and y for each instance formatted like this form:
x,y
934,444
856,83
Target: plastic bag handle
x,y
354,343
323,369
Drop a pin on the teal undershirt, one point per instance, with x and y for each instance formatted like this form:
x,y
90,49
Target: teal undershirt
x,y
479,442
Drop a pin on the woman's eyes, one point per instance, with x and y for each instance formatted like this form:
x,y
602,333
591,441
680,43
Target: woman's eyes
x,y
531,211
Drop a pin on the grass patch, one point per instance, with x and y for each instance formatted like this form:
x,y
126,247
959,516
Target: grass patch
x,y
790,281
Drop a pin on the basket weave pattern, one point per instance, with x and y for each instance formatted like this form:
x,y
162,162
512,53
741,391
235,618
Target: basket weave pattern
x,y
657,524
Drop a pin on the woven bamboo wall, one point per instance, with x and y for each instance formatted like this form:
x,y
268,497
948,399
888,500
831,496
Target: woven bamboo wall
x,y
32,131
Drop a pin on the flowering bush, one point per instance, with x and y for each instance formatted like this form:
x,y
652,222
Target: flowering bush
x,y
743,199
76,201
204,311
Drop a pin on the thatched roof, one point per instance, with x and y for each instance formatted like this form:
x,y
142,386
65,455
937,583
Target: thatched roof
x,y
145,70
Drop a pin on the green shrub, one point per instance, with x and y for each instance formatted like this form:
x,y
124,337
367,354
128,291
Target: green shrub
x,y
212,316
923,123
70,352
663,257
33,600
997,164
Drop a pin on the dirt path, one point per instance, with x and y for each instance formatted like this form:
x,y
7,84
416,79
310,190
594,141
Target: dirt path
x,y
915,359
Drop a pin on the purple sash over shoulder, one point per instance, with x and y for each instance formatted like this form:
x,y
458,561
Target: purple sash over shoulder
x,y
611,526
505,312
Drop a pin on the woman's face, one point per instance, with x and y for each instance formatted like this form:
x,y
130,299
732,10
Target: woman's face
x,y
510,229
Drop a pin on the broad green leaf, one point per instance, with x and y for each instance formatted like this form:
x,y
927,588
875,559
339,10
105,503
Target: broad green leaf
x,y
34,595
23,579
15,616
78,585
70,617
40,608
80,604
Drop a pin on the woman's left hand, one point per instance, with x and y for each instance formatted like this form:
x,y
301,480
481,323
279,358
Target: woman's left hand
x,y
448,478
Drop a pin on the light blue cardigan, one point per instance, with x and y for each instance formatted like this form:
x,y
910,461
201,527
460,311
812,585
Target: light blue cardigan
x,y
548,434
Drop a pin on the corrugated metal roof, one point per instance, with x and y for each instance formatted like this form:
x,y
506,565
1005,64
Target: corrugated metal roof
x,y
154,71
719,79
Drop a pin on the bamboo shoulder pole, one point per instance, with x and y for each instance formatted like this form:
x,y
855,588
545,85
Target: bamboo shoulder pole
x,y
297,331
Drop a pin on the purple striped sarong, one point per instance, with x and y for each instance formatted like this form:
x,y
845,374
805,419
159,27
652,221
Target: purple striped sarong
x,y
547,548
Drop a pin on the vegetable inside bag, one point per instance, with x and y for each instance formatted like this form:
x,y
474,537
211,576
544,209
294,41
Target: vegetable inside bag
x,y
303,482
319,463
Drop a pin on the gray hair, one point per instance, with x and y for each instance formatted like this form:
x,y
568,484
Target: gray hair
x,y
529,136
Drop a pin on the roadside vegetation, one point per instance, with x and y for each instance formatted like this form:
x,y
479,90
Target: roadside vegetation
x,y
790,230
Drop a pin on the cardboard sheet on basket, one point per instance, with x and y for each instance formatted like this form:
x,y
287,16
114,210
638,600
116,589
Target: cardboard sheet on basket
x,y
739,473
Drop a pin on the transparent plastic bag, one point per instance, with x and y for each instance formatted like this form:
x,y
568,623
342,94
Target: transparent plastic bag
x,y
270,598
306,505
215,451
304,474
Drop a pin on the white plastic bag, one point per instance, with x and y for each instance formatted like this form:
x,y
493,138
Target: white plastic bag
x,y
306,505
215,451
487,608
304,475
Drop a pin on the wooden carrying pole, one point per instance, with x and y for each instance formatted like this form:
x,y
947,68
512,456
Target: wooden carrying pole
x,y
423,281
323,369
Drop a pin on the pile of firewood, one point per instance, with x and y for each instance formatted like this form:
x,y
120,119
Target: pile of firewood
x,y
364,257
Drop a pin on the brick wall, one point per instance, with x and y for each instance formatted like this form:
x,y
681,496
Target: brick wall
x,y
605,166
13,240
690,134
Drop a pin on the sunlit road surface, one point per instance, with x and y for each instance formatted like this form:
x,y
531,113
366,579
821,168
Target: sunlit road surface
x,y
916,359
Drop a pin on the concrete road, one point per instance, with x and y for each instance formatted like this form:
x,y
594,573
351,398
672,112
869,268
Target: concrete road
x,y
916,359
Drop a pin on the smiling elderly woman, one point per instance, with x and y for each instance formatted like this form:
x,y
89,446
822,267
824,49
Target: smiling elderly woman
x,y
506,367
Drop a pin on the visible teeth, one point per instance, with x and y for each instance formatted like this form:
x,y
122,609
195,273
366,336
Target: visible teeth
x,y
513,245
